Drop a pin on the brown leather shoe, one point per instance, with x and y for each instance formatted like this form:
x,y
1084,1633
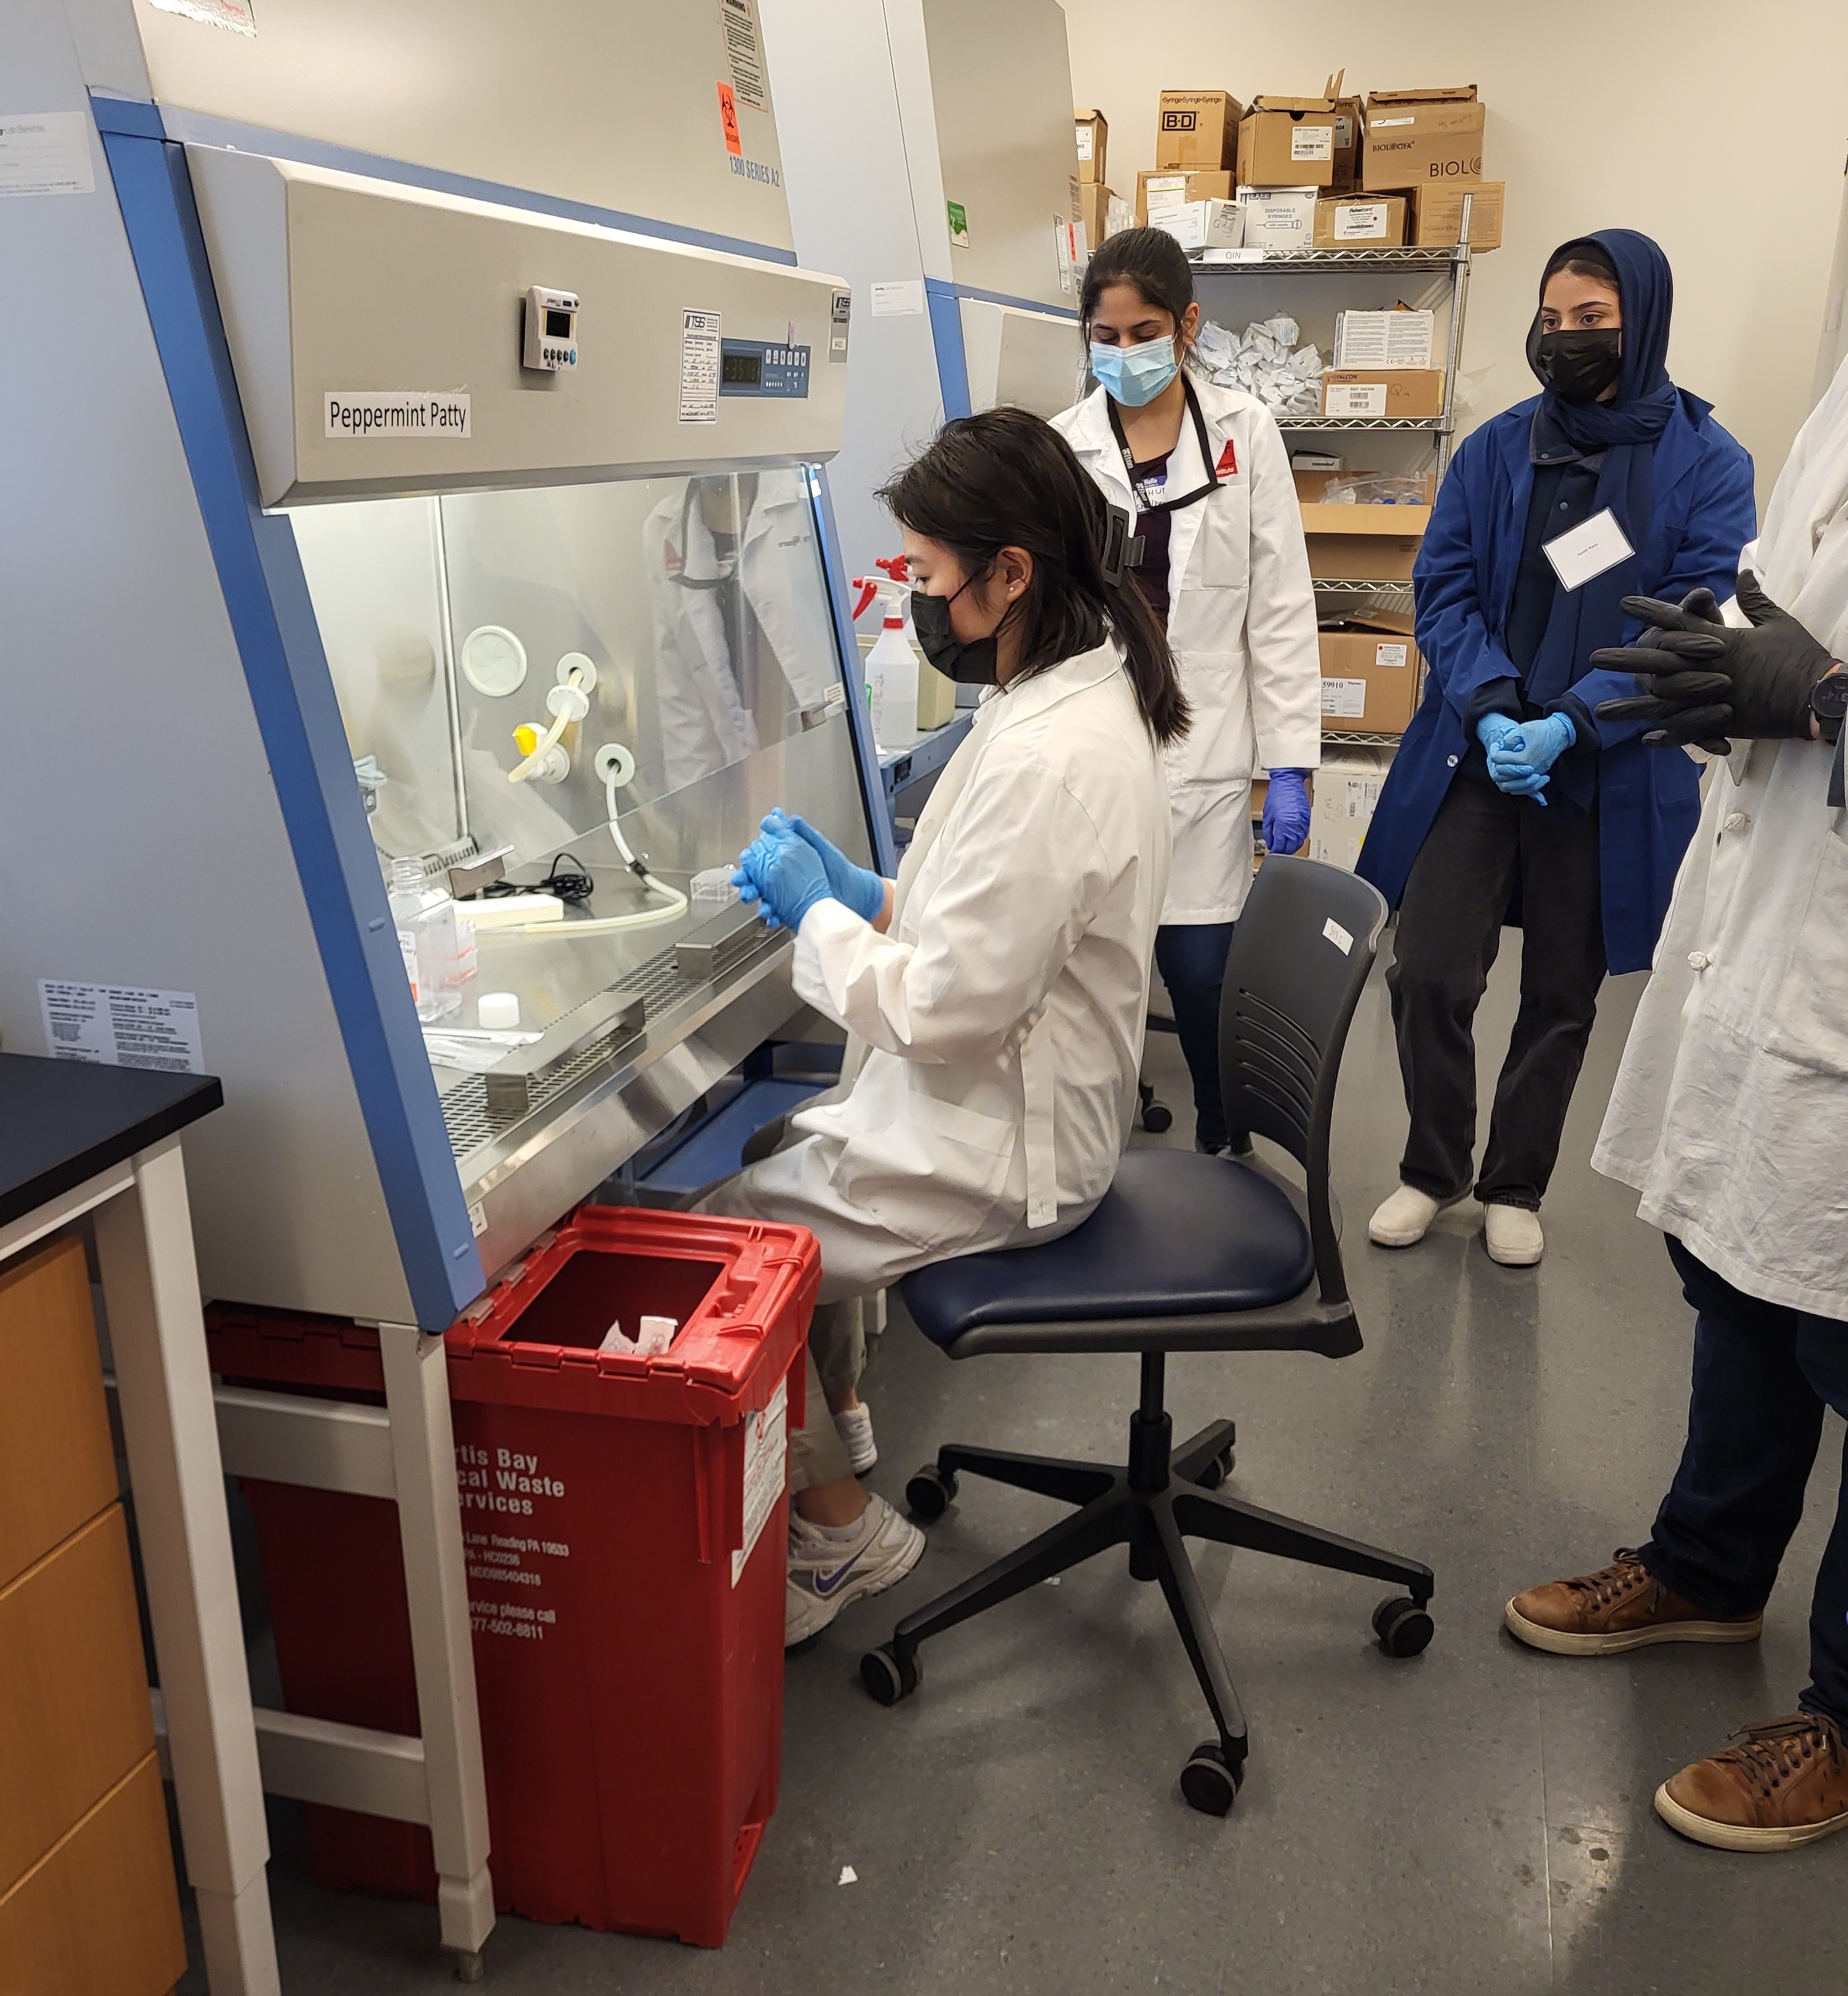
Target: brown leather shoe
x,y
1622,1606
1786,1785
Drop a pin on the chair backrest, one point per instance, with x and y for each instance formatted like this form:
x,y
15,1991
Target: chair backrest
x,y
1300,954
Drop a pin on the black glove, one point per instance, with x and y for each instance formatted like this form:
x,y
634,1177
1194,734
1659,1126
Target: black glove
x,y
1709,681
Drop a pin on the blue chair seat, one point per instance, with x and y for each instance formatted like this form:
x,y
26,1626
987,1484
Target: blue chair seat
x,y
1176,1235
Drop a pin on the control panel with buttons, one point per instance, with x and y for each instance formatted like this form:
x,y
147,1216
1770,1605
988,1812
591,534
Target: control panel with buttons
x,y
551,342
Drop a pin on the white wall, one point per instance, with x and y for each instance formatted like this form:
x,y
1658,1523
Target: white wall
x,y
1717,129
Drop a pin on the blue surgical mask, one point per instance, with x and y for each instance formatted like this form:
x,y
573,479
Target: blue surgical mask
x,y
1131,375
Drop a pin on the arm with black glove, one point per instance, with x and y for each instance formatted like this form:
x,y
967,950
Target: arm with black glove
x,y
1702,681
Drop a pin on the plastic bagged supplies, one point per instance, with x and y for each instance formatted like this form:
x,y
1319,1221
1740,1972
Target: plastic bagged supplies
x,y
1266,361
1376,488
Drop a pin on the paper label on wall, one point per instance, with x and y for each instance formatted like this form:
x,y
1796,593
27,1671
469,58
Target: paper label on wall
x,y
1061,250
744,53
395,413
699,337
235,14
1360,221
1390,654
1356,398
1583,551
1312,142
122,1025
958,221
899,297
45,152
1344,700
766,1470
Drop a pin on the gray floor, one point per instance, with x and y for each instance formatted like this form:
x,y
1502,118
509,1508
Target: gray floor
x,y
1476,1819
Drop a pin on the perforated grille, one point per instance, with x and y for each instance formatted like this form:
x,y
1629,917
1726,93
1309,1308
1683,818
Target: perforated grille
x,y
472,1123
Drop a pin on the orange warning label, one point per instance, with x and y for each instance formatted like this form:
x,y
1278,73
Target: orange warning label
x,y
735,142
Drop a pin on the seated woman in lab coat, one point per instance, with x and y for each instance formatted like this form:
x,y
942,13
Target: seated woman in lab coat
x,y
996,991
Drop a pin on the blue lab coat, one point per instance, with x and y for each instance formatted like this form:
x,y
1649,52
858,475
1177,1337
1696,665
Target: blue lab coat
x,y
1701,514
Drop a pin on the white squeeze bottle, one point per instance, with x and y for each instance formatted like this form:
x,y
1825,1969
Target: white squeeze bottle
x,y
891,665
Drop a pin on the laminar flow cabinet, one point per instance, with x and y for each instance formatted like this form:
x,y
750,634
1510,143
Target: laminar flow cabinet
x,y
414,491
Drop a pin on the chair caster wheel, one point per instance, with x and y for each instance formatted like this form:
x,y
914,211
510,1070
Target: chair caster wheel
x,y
888,1677
930,1493
1158,1118
1218,1469
1403,1627
1209,1782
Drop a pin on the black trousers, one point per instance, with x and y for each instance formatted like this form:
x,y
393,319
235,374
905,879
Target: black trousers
x,y
1480,846
1763,1375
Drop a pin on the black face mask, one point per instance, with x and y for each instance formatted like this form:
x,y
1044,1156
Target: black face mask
x,y
968,665
1578,366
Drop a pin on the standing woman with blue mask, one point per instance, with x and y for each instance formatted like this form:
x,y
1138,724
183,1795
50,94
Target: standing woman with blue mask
x,y
1509,801
1224,568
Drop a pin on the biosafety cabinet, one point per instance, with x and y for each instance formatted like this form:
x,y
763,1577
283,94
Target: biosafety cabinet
x,y
931,160
414,417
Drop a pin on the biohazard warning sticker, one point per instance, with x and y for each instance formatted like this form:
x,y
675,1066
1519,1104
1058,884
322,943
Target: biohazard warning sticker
x,y
766,1470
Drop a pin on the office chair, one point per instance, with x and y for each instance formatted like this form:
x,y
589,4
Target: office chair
x,y
1184,1253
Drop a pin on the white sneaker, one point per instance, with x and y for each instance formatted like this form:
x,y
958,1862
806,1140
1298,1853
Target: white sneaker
x,y
1513,1236
1403,1219
825,1573
854,1427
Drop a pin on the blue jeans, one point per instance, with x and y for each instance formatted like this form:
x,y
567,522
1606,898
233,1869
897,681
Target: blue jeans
x,y
1191,957
1763,1374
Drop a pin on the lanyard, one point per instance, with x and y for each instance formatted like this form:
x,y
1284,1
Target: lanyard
x,y
1129,463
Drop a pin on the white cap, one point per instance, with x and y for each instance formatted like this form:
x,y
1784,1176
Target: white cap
x,y
498,1011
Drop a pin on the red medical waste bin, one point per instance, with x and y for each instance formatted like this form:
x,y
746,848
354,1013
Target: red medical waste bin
x,y
624,1522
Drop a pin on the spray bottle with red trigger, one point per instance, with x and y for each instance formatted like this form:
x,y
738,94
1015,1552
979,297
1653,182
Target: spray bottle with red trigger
x,y
892,665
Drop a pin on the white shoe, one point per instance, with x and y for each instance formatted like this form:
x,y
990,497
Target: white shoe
x,y
854,1427
1403,1219
1513,1236
825,1573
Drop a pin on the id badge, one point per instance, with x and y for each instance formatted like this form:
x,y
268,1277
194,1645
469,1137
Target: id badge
x,y
1587,551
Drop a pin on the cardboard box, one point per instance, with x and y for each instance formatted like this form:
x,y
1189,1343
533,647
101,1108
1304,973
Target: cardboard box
x,y
1415,137
1364,543
1094,202
1197,127
1437,215
1204,225
57,1465
1287,142
1278,218
1157,188
1350,117
100,1911
1403,394
74,1717
1093,137
1369,679
1345,795
1361,221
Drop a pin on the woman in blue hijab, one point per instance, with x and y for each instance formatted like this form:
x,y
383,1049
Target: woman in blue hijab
x,y
1508,801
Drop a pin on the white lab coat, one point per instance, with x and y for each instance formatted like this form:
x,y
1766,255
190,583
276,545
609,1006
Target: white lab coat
x,y
990,1087
1730,1110
1241,623
705,724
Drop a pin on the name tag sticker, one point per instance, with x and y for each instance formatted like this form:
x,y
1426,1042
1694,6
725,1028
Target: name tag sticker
x,y
1585,552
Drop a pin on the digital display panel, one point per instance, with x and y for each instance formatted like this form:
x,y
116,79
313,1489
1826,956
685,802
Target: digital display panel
x,y
558,325
745,370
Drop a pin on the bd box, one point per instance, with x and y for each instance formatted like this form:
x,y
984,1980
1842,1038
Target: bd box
x,y
1197,127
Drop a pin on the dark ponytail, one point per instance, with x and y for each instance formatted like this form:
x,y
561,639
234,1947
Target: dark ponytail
x,y
1153,265
1006,479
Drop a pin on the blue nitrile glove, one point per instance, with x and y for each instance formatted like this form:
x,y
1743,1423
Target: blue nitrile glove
x,y
856,887
1519,763
1286,810
783,874
1493,728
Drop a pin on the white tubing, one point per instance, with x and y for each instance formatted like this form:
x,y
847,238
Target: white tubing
x,y
562,715
675,902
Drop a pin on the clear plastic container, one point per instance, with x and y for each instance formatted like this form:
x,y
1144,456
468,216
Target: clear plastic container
x,y
437,943
892,667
